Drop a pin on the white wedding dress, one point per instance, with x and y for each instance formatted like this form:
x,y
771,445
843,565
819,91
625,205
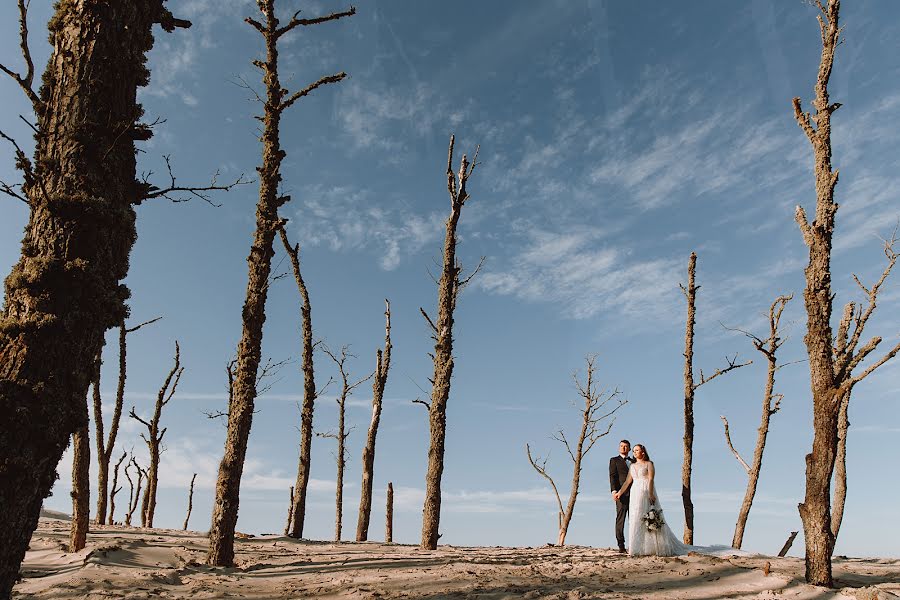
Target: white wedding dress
x,y
642,541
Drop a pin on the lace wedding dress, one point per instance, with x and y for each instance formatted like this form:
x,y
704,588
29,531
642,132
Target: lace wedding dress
x,y
642,541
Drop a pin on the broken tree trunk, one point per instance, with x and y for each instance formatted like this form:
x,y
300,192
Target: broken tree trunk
x,y
389,515
115,490
296,519
81,487
290,515
65,291
595,411
449,286
240,412
690,387
382,365
190,503
770,405
154,438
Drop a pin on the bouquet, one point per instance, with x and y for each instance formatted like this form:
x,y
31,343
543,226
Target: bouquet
x,y
653,520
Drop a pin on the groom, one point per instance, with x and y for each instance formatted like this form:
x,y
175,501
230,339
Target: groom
x,y
618,473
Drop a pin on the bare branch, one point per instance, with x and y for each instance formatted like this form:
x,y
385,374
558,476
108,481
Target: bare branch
x,y
731,446
732,364
25,81
295,22
423,403
891,354
427,318
461,284
542,470
133,415
800,217
136,327
305,91
197,191
9,191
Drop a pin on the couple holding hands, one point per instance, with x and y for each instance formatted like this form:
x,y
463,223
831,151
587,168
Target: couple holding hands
x,y
631,484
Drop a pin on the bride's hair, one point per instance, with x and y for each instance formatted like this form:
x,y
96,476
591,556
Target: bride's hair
x,y
644,448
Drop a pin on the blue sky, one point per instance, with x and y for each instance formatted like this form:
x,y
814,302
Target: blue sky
x,y
615,139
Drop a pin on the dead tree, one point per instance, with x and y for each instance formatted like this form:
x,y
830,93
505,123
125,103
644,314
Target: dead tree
x,y
342,432
298,495
290,515
382,365
190,503
690,387
81,487
104,450
449,286
770,405
134,491
599,407
240,413
154,437
832,359
66,291
115,490
389,515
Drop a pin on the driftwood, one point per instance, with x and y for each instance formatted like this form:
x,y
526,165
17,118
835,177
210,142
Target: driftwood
x,y
389,515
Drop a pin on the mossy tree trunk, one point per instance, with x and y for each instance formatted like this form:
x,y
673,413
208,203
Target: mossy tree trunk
x,y
65,291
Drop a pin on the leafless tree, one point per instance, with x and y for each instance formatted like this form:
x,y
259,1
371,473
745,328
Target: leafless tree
x,y
240,412
599,408
832,359
190,503
298,496
690,387
382,365
389,515
770,405
449,286
134,488
115,490
81,486
154,437
342,432
290,514
104,450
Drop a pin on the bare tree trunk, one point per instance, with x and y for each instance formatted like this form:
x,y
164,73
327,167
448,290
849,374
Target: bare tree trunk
x,y
594,412
115,490
298,495
154,437
290,515
691,295
240,412
104,450
389,515
65,291
190,503
690,387
787,544
770,405
134,491
81,487
342,434
382,365
442,333
840,466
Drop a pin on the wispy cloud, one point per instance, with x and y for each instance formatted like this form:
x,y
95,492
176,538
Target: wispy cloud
x,y
346,218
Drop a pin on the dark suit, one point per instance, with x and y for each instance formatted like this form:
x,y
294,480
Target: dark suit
x,y
618,473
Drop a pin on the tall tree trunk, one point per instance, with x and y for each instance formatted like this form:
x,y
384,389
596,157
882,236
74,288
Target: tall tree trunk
x,y
389,515
102,459
298,495
690,293
768,348
240,412
190,503
81,487
290,515
382,365
115,490
339,492
65,291
815,510
448,289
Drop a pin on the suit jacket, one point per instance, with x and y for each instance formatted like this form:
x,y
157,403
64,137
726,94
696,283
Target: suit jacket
x,y
618,473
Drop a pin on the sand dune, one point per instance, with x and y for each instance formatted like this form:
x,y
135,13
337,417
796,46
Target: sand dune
x,y
134,564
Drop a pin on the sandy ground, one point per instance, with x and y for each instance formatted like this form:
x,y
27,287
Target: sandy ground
x,y
158,563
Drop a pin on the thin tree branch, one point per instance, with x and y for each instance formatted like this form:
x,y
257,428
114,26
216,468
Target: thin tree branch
x,y
731,446
305,91
295,22
542,470
197,191
25,81
732,364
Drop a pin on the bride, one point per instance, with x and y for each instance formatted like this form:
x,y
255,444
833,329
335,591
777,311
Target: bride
x,y
648,534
